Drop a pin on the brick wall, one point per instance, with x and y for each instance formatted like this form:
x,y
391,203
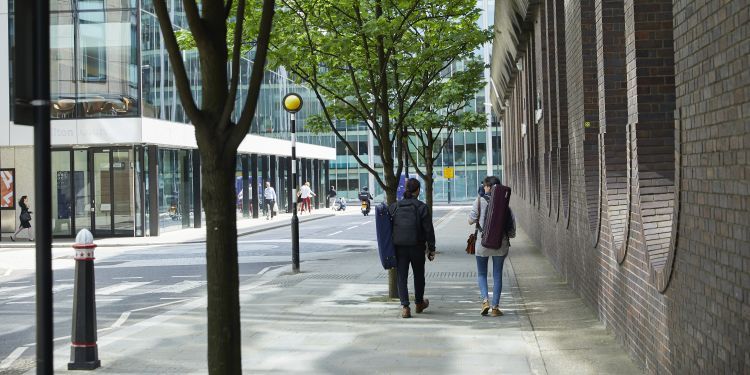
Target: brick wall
x,y
664,255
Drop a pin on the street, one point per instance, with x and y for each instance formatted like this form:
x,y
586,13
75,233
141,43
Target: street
x,y
141,282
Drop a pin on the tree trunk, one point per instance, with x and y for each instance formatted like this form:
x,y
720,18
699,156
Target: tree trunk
x,y
428,187
224,331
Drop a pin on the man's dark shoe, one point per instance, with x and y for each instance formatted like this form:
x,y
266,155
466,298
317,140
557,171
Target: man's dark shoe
x,y
422,306
405,312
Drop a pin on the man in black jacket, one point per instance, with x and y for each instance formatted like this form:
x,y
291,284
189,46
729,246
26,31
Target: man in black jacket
x,y
413,236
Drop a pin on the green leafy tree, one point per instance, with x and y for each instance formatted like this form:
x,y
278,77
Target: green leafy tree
x,y
219,39
372,62
444,110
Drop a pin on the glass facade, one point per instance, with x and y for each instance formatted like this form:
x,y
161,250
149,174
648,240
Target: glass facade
x,y
161,101
98,189
94,61
107,59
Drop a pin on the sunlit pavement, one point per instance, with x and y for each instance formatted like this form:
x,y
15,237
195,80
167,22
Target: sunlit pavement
x,y
334,316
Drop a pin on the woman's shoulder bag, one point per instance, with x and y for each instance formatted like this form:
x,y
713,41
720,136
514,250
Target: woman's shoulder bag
x,y
471,242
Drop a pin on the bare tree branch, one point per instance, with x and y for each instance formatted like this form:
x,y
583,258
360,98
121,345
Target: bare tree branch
x,y
175,58
236,49
228,9
194,19
256,77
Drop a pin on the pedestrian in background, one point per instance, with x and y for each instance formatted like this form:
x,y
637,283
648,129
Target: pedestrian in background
x,y
25,218
331,197
413,237
478,216
306,194
269,195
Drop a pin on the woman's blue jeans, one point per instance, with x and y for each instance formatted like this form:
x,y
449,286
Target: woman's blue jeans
x,y
497,276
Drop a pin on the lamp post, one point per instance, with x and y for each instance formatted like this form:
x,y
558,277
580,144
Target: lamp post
x,y
293,103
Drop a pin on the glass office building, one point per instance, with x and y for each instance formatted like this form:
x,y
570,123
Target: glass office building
x,y
125,161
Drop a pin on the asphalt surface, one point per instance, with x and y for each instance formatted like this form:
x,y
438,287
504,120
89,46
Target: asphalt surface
x,y
144,281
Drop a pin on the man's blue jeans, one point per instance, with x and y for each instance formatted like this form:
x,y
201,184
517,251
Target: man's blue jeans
x,y
497,275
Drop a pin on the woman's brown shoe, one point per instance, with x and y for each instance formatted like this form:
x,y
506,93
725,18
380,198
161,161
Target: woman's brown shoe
x,y
496,311
405,312
485,308
422,306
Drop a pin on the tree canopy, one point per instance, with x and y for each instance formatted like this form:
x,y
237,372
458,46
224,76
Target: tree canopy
x,y
373,62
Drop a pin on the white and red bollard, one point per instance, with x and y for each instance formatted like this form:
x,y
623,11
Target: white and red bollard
x,y
84,354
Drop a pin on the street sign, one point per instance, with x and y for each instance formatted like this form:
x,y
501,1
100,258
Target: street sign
x,y
448,172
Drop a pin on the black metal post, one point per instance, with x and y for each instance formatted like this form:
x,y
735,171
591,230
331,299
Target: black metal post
x,y
327,180
289,185
42,185
197,211
84,353
295,219
153,190
254,189
245,187
449,191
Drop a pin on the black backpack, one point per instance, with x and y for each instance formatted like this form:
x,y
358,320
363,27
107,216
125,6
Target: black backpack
x,y
407,225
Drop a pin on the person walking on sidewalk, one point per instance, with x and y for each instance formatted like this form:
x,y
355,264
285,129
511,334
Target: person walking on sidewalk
x,y
269,196
25,218
413,236
478,216
331,197
306,194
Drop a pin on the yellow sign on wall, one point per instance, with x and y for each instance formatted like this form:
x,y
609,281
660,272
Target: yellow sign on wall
x,y
448,172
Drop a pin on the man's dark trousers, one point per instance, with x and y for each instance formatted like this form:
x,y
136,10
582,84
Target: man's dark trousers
x,y
415,256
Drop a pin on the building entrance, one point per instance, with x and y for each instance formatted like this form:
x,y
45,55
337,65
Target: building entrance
x,y
95,189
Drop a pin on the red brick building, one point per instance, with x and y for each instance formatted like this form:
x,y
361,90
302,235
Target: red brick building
x,y
626,141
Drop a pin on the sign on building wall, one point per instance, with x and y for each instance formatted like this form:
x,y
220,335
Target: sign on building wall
x,y
8,189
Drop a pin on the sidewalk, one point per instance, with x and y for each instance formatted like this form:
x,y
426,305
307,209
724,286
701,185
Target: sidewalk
x,y
334,318
245,226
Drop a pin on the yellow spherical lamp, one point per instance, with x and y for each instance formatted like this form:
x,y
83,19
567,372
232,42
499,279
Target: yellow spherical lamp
x,y
292,102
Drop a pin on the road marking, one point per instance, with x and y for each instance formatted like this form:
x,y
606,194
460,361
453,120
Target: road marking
x,y
8,272
127,278
334,233
120,320
352,227
56,289
159,305
8,289
186,276
318,241
263,271
12,357
367,222
64,280
181,287
17,282
22,303
447,218
117,288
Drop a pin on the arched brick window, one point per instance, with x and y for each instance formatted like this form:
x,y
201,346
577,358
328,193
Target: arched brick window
x,y
551,107
561,82
610,45
591,145
650,56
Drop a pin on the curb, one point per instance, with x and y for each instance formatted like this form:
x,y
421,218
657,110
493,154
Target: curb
x,y
249,231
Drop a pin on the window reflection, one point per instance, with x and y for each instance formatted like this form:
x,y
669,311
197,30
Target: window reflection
x,y
93,59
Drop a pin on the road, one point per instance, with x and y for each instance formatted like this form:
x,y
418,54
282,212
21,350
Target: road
x,y
144,281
